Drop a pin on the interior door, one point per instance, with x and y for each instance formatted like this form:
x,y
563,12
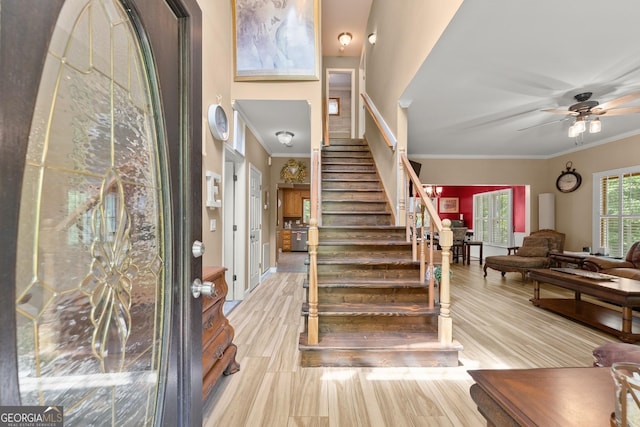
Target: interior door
x,y
99,153
255,226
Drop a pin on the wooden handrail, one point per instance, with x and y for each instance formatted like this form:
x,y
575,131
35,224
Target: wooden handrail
x,y
312,323
386,133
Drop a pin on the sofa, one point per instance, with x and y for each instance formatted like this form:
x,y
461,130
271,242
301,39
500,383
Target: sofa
x,y
534,253
628,267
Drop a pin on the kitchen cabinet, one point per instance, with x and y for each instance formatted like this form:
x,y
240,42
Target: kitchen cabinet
x,y
292,204
286,240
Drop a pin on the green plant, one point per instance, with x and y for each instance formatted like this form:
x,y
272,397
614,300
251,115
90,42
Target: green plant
x,y
437,274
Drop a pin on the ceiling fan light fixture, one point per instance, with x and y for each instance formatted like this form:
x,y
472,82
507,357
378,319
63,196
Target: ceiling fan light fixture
x,y
285,137
573,131
595,125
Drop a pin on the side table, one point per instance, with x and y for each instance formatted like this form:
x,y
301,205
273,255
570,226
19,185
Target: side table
x,y
467,248
568,259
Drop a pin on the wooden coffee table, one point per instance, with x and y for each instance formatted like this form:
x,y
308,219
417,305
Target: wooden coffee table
x,y
619,291
565,397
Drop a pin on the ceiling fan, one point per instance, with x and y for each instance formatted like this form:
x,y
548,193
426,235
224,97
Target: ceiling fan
x,y
585,108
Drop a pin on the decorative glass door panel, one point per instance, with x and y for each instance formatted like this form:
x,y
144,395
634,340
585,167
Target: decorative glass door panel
x,y
91,284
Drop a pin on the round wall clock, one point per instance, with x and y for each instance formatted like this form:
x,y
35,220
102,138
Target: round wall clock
x,y
218,123
569,180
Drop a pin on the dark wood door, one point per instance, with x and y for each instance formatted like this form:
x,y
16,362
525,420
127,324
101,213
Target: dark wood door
x,y
99,159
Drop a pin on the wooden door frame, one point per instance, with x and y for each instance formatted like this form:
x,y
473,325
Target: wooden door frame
x,y
22,55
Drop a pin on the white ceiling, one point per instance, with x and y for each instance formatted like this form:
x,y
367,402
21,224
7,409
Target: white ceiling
x,y
498,64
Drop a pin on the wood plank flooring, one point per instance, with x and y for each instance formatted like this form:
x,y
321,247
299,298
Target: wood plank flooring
x,y
493,319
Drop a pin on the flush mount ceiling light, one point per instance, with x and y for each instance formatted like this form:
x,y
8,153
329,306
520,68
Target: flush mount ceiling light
x,y
345,38
285,137
372,38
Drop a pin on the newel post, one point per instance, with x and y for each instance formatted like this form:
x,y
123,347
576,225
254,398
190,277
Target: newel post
x,y
445,323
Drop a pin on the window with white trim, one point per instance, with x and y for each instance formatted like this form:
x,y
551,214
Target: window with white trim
x,y
617,220
493,217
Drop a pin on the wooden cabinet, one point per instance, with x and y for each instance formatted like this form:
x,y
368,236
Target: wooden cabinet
x,y
286,240
292,205
218,351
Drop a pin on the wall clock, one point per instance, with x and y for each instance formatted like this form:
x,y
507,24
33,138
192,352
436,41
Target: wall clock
x,y
218,123
569,180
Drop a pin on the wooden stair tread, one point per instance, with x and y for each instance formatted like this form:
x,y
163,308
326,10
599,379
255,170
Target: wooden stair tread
x,y
333,212
367,261
341,179
370,309
352,242
361,227
351,190
371,283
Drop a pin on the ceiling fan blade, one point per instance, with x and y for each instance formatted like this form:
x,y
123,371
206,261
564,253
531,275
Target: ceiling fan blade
x,y
619,111
619,101
558,111
543,124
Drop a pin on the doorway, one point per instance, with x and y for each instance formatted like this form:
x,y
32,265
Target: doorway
x,y
341,97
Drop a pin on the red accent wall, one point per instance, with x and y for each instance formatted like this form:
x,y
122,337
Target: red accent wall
x,y
465,197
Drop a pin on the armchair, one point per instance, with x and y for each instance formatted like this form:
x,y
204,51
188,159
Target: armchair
x,y
534,253
628,267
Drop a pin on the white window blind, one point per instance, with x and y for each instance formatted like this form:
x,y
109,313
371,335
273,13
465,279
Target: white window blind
x,y
617,222
493,217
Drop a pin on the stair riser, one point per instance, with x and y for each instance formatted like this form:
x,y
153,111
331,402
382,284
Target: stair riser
x,y
341,148
375,194
378,324
368,219
355,206
379,358
344,155
348,168
350,175
348,185
333,234
345,162
372,296
332,273
358,252
347,142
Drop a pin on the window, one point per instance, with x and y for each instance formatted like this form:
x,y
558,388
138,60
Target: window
x,y
617,221
493,217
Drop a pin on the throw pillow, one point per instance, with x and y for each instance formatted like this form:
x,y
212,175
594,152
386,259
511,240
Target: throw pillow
x,y
539,251
536,241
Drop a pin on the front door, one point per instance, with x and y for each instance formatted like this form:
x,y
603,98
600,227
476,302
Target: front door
x,y
99,156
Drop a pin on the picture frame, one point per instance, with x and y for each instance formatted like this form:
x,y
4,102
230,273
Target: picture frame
x,y
333,107
276,40
449,205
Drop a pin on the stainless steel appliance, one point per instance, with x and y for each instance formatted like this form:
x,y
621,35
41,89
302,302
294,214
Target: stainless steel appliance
x,y
299,239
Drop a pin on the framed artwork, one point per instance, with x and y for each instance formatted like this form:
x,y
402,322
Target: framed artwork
x,y
334,106
449,205
275,40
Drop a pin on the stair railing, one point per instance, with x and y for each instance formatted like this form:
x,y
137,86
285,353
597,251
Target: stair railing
x,y
423,240
312,245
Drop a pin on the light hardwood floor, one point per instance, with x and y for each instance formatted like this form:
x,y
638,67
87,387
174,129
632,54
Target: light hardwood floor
x,y
493,319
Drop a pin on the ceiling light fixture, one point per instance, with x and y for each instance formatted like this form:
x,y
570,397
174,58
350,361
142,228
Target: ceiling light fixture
x,y
580,126
345,38
372,38
432,191
285,137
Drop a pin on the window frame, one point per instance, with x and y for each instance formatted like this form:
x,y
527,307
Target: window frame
x,y
598,239
479,220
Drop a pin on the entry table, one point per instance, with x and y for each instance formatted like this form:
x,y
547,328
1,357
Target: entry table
x,y
566,397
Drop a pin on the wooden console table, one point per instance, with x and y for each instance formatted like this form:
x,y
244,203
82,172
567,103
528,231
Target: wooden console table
x,y
564,397
218,353
620,291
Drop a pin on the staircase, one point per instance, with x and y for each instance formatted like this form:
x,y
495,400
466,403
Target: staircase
x,y
372,307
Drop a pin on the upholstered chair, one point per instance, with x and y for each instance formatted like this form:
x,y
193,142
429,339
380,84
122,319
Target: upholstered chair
x,y
534,253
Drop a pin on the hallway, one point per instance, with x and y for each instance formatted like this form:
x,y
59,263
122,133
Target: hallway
x,y
493,320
